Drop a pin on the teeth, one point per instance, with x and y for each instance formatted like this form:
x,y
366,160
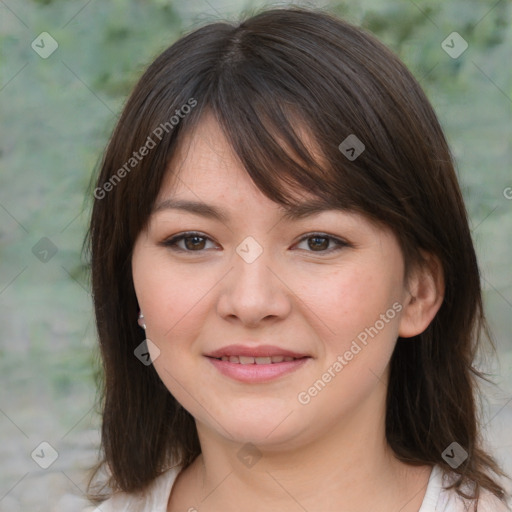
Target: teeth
x,y
263,360
257,360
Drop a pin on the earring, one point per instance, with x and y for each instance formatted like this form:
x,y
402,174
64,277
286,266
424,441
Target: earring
x,y
140,320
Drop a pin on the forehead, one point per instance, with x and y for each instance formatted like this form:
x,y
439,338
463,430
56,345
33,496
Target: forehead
x,y
204,159
206,178
204,164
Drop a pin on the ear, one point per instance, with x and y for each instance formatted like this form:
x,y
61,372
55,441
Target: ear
x,y
424,295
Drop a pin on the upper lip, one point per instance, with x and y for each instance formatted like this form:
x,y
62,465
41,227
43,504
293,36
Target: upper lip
x,y
256,351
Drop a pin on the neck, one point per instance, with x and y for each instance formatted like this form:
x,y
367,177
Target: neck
x,y
349,467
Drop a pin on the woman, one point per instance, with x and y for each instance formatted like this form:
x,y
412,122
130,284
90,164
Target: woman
x,y
286,291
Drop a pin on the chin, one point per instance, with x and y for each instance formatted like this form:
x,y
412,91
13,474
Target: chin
x,y
269,428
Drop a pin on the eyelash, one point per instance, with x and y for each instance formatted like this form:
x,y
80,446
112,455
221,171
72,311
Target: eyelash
x,y
171,242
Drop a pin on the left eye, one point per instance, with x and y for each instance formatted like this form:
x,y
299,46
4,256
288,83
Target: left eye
x,y
196,242
319,242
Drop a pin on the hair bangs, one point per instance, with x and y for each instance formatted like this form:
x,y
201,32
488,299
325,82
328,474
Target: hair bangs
x,y
272,140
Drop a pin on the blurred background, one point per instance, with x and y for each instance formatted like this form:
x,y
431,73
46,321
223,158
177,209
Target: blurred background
x,y
66,68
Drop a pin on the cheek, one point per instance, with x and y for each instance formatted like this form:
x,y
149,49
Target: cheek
x,y
170,297
350,301
357,341
173,301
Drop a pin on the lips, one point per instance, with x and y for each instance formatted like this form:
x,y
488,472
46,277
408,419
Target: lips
x,y
261,354
256,360
256,364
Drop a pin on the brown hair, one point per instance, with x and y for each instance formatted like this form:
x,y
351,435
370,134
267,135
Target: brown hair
x,y
281,69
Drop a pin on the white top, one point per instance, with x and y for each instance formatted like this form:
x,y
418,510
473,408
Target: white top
x,y
437,499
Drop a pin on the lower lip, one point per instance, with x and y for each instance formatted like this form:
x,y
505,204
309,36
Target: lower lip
x,y
257,372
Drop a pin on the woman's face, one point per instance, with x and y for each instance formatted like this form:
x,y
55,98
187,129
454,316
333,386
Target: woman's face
x,y
254,278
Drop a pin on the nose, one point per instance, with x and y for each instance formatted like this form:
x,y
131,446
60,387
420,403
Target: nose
x,y
253,292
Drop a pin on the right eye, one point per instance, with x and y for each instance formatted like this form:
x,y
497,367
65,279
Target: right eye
x,y
192,242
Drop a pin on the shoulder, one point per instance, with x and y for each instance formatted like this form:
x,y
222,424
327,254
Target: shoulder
x,y
153,499
490,503
486,503
440,499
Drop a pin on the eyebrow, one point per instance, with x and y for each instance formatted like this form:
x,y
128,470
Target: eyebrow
x,y
293,212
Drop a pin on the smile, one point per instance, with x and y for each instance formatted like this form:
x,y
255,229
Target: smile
x,y
257,360
253,370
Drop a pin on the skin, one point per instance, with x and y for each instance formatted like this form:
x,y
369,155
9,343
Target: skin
x,y
329,454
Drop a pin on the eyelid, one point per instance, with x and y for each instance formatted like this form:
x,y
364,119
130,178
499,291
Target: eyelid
x,y
339,242
172,241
